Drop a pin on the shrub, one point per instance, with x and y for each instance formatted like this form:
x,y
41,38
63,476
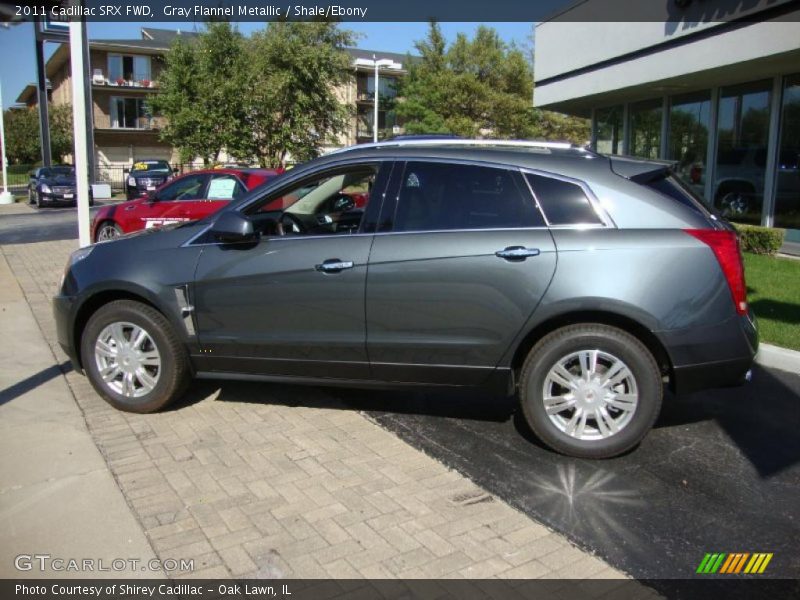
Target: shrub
x,y
760,240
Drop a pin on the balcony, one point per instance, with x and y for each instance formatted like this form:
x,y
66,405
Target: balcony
x,y
134,81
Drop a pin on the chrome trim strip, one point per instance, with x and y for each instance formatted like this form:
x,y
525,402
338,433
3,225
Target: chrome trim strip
x,y
463,142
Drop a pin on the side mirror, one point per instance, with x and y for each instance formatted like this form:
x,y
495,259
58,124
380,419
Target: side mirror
x,y
126,171
343,203
152,196
175,171
232,227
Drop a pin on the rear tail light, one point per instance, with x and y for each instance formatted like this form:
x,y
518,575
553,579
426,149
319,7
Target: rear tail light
x,y
725,246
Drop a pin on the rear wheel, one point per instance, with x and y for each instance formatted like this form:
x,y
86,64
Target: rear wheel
x,y
133,358
590,390
107,230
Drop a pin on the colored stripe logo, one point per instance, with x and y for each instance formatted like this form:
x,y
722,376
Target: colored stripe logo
x,y
734,563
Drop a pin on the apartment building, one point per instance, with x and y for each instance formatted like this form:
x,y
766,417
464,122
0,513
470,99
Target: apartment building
x,y
124,72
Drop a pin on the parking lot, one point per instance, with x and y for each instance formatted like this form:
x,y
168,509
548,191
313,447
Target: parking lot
x,y
719,473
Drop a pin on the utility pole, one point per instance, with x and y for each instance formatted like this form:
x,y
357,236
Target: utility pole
x,y
77,48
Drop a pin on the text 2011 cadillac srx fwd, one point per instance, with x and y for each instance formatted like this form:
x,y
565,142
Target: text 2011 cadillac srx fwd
x,y
582,283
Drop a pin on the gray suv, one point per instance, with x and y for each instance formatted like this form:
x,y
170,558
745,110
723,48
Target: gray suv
x,y
582,283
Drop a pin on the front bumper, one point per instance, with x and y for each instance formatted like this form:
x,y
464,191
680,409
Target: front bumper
x,y
63,312
715,356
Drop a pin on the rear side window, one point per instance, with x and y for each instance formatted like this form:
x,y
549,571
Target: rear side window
x,y
562,202
439,196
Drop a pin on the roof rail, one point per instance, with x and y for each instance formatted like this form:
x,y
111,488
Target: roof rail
x,y
462,142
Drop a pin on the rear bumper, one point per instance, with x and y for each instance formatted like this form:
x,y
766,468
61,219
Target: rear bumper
x,y
63,308
715,356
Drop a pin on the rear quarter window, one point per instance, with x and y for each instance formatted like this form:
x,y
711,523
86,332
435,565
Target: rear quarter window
x,y
562,202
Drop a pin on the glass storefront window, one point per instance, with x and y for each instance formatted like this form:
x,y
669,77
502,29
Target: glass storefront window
x,y
787,177
742,151
689,120
645,137
609,130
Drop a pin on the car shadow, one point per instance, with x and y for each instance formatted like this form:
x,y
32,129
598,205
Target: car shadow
x,y
30,383
784,312
761,418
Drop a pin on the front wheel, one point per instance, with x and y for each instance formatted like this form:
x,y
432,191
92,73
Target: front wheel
x,y
590,390
108,230
133,358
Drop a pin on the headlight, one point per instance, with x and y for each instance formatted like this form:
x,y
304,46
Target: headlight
x,y
46,189
131,182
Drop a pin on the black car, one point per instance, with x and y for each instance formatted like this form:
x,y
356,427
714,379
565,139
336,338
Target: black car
x,y
50,186
146,176
582,283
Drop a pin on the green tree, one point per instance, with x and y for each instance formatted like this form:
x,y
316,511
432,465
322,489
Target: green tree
x,y
61,131
475,87
22,134
203,94
293,106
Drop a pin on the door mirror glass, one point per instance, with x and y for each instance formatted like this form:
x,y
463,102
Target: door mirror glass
x,y
232,227
343,203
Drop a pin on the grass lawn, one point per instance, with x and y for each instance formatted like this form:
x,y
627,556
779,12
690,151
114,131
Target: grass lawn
x,y
773,290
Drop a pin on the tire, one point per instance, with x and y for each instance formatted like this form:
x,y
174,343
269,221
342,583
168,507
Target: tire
x,y
159,384
632,419
107,230
30,196
37,200
735,201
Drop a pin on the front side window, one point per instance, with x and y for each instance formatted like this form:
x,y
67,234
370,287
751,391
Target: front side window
x,y
333,203
562,202
191,187
439,196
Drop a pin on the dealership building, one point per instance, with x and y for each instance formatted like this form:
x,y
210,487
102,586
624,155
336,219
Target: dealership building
x,y
720,98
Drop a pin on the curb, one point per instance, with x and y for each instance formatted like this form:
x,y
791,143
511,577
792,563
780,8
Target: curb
x,y
776,357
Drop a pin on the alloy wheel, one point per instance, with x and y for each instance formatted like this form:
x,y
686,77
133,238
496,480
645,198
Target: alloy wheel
x,y
127,359
590,395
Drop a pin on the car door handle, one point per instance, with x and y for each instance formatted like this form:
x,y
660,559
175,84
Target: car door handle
x,y
334,265
517,253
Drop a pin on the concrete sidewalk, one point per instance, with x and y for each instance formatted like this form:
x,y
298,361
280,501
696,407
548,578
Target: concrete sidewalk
x,y
261,480
57,495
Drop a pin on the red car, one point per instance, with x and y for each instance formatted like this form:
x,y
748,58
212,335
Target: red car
x,y
187,198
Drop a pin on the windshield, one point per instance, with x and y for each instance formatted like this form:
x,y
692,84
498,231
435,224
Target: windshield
x,y
151,166
61,171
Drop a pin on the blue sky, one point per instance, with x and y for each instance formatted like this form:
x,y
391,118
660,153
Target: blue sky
x,y
18,66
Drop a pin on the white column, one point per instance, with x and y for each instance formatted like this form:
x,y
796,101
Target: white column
x,y
76,50
375,116
6,197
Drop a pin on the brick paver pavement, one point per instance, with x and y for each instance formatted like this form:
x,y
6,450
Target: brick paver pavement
x,y
280,481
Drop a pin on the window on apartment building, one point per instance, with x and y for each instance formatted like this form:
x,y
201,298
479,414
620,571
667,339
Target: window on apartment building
x,y
387,120
129,113
366,87
689,120
129,68
645,137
